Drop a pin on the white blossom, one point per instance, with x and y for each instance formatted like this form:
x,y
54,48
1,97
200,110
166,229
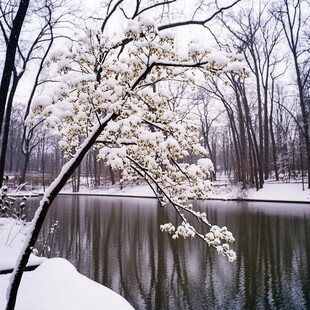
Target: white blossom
x,y
168,227
103,76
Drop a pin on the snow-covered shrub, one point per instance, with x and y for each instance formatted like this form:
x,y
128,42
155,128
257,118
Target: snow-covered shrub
x,y
6,202
46,241
11,207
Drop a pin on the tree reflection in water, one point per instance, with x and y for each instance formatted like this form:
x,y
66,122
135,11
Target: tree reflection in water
x,y
117,242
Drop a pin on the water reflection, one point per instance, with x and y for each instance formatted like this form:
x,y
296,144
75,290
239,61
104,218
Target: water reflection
x,y
117,242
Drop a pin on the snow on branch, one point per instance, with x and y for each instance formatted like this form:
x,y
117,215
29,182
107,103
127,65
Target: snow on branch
x,y
101,76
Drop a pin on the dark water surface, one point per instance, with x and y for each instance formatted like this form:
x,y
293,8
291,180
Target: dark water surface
x,y
117,242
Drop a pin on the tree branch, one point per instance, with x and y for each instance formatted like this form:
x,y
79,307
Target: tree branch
x,y
198,22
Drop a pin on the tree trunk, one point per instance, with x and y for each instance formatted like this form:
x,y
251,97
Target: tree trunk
x,y
9,62
6,128
112,177
22,178
266,138
96,169
8,69
305,120
253,144
243,147
47,200
272,136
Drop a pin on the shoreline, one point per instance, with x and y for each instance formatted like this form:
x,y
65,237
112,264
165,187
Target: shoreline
x,y
270,193
97,194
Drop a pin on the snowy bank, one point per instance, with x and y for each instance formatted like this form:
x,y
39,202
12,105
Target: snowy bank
x,y
286,192
12,234
280,192
56,285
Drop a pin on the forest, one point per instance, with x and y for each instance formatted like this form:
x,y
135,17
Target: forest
x,y
255,127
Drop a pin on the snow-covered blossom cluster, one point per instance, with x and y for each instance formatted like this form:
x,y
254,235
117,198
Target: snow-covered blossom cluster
x,y
115,87
185,230
215,238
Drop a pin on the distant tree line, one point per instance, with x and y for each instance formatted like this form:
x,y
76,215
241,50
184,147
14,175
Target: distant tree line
x,y
255,129
265,134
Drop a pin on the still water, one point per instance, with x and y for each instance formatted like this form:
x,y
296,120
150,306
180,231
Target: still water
x,y
117,242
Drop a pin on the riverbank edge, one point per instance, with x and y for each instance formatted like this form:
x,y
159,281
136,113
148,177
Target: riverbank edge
x,y
153,197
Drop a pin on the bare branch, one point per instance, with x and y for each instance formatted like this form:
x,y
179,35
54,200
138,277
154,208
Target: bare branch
x,y
109,14
137,12
198,22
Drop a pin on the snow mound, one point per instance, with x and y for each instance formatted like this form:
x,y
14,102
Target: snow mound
x,y
56,285
12,235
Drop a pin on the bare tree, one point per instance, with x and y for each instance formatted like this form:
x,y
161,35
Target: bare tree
x,y
53,15
31,52
258,35
294,23
11,24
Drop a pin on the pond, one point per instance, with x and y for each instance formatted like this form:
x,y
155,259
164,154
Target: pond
x,y
117,242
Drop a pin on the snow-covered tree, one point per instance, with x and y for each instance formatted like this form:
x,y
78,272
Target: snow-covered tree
x,y
111,97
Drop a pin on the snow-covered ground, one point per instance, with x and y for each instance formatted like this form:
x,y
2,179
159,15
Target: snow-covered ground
x,y
271,192
56,284
12,234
